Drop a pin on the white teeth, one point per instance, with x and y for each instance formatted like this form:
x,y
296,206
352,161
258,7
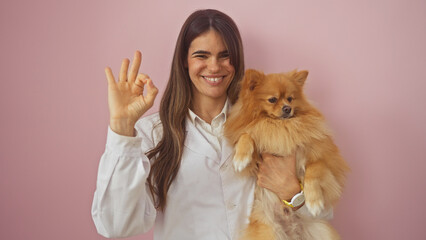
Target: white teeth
x,y
213,79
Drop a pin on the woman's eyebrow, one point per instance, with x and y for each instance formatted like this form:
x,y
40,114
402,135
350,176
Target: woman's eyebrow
x,y
208,53
200,52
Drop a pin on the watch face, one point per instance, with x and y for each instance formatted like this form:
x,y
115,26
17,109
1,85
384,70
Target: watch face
x,y
298,199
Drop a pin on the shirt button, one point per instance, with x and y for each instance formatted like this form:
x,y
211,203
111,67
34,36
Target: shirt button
x,y
224,166
232,206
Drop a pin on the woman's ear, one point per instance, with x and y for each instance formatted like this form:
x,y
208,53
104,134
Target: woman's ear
x,y
252,79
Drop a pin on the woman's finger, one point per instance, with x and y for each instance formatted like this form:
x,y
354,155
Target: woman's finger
x,y
142,79
139,84
109,76
152,91
123,70
134,69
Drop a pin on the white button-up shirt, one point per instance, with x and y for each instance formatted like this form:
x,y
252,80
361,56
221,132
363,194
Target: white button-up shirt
x,y
207,200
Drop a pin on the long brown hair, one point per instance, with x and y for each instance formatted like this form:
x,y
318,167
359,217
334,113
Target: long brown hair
x,y
177,97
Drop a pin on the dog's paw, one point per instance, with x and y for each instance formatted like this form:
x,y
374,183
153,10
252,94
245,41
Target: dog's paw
x,y
244,150
314,197
315,207
240,163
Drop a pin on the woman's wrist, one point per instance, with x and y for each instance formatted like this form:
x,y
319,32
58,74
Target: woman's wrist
x,y
123,127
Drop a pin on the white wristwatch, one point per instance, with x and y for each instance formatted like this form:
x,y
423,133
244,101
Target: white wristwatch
x,y
297,199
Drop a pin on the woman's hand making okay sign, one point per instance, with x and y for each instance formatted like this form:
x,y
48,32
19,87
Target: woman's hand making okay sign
x,y
125,98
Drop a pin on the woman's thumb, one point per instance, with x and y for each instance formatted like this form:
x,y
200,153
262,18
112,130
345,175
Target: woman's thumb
x,y
152,92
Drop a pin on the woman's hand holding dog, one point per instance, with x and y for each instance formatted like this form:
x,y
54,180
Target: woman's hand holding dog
x,y
125,98
278,174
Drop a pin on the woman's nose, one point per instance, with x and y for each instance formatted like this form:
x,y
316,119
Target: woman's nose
x,y
213,65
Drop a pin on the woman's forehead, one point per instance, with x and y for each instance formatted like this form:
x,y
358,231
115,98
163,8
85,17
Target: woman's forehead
x,y
210,41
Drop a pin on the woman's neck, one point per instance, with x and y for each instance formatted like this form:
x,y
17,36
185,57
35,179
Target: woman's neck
x,y
208,108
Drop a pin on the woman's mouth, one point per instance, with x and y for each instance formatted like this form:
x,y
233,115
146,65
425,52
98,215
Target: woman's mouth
x,y
213,80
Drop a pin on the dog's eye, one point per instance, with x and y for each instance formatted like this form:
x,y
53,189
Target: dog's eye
x,y
289,99
273,100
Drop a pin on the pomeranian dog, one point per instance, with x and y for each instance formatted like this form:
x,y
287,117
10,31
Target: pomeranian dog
x,y
272,115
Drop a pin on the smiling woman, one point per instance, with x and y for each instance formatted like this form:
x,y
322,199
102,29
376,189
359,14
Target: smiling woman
x,y
147,183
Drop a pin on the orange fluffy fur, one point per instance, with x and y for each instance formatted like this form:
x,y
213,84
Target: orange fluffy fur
x,y
260,121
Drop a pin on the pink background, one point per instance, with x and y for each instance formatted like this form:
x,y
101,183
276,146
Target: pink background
x,y
367,63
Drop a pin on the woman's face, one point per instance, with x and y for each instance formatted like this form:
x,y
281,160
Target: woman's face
x,y
209,67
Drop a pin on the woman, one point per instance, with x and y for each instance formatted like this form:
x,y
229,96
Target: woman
x,y
173,168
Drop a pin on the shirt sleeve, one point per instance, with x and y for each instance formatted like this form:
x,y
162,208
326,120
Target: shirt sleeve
x,y
122,204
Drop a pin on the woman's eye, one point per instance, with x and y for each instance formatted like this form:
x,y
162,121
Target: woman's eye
x,y
273,100
289,99
201,56
226,55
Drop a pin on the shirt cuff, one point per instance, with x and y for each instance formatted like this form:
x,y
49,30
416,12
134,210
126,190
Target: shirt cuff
x,y
121,145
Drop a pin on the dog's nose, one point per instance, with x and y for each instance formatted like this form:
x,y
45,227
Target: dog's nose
x,y
287,109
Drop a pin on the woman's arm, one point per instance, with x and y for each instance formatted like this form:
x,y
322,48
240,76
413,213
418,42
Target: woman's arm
x,y
122,204
278,174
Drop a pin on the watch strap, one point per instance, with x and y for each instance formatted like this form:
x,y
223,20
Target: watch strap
x,y
291,203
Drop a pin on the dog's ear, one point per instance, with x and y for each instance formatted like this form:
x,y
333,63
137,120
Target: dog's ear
x,y
299,76
252,79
